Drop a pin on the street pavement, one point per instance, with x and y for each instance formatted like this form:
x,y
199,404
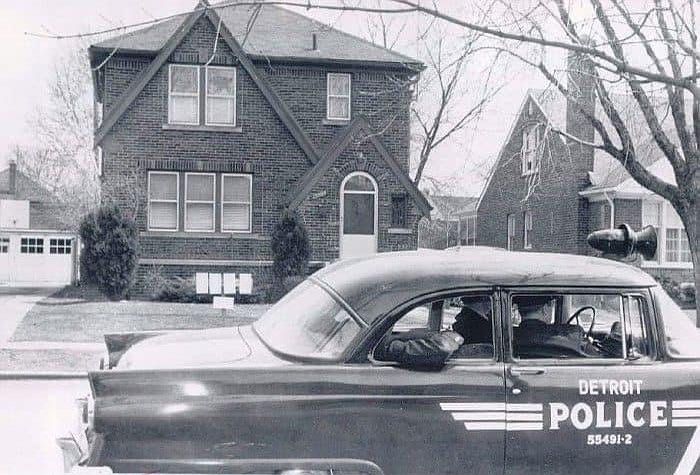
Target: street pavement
x,y
15,302
35,412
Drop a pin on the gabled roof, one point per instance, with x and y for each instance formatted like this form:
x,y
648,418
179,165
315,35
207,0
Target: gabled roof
x,y
607,172
26,188
137,85
276,33
449,207
359,124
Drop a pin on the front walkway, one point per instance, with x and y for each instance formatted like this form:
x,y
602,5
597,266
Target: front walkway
x,y
15,303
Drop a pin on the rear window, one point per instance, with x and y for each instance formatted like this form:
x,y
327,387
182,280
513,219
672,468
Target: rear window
x,y
682,336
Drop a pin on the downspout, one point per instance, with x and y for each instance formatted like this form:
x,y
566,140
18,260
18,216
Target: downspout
x,y
611,202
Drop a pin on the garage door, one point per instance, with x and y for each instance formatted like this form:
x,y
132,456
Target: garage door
x,y
35,260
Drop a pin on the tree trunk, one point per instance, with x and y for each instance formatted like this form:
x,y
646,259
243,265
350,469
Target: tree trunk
x,y
693,231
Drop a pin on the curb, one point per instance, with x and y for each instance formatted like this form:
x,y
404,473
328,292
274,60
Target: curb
x,y
45,375
52,345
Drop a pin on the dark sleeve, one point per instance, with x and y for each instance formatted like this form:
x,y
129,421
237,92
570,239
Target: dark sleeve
x,y
419,347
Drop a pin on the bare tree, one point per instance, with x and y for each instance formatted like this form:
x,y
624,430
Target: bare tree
x,y
61,158
444,102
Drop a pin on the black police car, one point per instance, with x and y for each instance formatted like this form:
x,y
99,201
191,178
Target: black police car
x,y
471,360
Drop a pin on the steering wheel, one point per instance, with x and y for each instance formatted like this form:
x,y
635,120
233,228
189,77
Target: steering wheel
x,y
576,314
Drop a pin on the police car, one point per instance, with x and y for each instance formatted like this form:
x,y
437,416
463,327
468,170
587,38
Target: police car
x,y
428,362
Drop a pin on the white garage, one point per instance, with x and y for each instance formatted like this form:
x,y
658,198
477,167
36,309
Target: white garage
x,y
36,259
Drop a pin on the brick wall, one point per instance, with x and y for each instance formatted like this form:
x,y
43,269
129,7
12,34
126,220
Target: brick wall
x,y
560,217
261,145
559,214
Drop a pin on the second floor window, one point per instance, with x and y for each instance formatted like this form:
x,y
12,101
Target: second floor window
x,y
211,101
221,96
183,101
527,230
531,143
338,96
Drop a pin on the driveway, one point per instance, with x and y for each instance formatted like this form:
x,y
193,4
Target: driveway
x,y
15,302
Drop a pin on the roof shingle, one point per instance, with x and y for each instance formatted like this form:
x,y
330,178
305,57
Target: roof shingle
x,y
276,33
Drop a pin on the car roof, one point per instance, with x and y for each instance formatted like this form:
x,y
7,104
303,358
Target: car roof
x,y
375,284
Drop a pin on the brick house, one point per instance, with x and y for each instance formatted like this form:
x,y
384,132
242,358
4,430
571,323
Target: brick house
x,y
547,193
37,245
216,121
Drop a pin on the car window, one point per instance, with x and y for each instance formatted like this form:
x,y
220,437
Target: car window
x,y
682,336
420,328
567,326
307,322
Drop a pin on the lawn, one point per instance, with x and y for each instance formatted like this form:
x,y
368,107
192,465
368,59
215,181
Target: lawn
x,y
83,316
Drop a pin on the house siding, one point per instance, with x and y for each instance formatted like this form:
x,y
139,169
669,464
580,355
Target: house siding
x,y
261,145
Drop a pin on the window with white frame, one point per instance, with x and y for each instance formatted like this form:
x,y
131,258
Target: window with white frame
x,y
163,205
183,94
200,201
338,96
673,247
236,199
527,230
221,95
511,231
30,245
60,246
4,245
529,151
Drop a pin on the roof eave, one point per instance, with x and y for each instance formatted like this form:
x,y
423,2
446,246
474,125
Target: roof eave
x,y
415,68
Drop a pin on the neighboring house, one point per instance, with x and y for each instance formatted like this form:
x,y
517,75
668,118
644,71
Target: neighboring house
x,y
206,137
36,246
452,222
547,193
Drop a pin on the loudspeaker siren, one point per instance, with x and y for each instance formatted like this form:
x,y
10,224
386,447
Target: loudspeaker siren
x,y
624,242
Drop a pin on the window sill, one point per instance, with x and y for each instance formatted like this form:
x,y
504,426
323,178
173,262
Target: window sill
x,y
400,231
204,128
199,235
327,121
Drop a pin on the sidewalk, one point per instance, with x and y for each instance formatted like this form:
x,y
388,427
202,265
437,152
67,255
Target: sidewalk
x,y
15,303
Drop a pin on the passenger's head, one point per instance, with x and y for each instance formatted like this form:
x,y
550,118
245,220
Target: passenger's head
x,y
535,308
481,305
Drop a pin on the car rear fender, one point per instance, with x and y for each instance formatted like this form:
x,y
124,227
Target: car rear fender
x,y
119,343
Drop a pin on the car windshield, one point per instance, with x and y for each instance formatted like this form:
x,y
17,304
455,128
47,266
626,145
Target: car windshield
x,y
682,336
307,322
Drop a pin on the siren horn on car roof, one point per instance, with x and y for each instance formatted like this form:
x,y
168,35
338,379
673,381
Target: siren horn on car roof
x,y
623,241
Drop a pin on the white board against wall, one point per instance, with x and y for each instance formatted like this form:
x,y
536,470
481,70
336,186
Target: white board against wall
x,y
229,284
215,284
245,284
202,282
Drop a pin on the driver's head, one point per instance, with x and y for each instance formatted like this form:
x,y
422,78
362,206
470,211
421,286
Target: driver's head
x,y
536,308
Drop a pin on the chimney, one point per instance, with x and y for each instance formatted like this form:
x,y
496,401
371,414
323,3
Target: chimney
x,y
314,42
13,177
581,87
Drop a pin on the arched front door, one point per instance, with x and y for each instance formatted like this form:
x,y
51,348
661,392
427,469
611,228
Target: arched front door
x,y
358,215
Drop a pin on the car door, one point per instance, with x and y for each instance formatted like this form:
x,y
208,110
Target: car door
x,y
613,414
447,420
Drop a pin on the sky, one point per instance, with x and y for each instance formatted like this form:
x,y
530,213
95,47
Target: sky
x,y
27,64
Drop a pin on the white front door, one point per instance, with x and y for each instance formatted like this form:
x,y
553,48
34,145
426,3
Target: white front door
x,y
358,215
